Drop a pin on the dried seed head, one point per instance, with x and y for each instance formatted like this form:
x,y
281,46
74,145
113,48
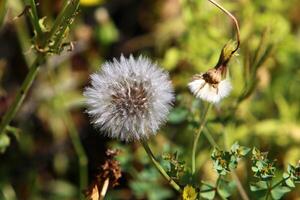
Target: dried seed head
x,y
209,86
129,99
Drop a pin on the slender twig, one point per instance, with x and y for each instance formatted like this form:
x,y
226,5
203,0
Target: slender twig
x,y
234,175
283,180
35,19
234,20
210,139
82,158
269,190
240,187
197,136
14,107
159,167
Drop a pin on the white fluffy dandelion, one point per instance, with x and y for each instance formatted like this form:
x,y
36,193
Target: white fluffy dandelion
x,y
129,99
209,86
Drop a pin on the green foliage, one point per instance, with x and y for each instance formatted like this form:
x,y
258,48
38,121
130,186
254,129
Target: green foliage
x,y
177,167
186,38
262,167
207,191
225,161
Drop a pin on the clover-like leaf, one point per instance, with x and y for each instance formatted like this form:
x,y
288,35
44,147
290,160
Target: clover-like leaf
x,y
207,191
278,192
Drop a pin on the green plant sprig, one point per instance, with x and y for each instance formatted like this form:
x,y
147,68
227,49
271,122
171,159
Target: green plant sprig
x,y
62,22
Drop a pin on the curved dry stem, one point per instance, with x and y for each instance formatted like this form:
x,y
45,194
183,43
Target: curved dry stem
x,y
233,19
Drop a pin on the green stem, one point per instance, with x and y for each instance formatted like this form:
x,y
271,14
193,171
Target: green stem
x,y
274,186
14,107
35,19
240,187
210,138
197,136
269,190
82,158
21,94
63,21
159,167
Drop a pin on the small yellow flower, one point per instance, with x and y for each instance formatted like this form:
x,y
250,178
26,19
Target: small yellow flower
x,y
90,2
189,193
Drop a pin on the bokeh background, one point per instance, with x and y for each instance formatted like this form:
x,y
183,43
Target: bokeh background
x,y
184,37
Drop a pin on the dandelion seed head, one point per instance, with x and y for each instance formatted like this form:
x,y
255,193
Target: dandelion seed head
x,y
129,99
209,86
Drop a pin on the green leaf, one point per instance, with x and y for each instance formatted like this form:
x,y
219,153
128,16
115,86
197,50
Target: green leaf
x,y
4,142
279,191
226,188
207,191
260,189
289,182
261,185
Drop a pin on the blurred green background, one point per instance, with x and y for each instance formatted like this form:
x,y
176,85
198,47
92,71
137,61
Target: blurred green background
x,y
185,37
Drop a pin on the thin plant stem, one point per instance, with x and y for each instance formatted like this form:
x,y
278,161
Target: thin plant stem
x,y
14,107
233,19
104,189
240,187
269,189
82,158
33,70
210,139
159,167
284,179
234,175
35,19
196,138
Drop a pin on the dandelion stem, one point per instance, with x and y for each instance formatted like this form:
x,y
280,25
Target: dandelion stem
x,y
33,70
234,20
82,158
159,167
202,123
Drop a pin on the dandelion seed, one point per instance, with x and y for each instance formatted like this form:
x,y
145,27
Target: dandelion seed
x,y
129,99
209,86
